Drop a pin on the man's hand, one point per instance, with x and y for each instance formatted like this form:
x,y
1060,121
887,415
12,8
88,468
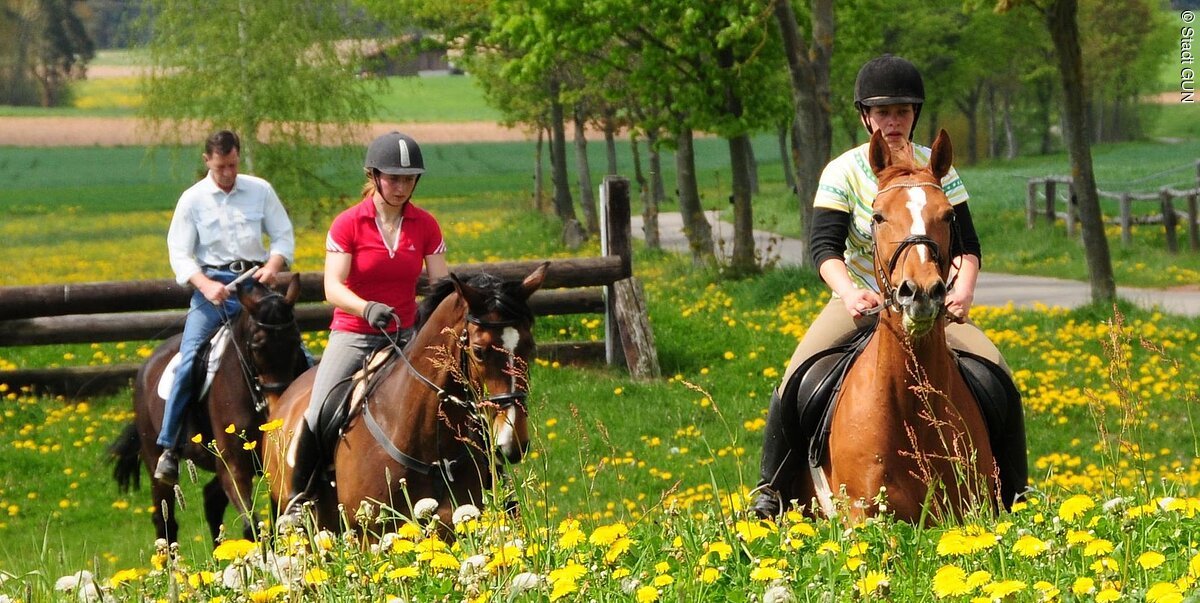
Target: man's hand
x,y
213,291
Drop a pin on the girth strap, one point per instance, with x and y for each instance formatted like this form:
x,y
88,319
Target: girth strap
x,y
398,455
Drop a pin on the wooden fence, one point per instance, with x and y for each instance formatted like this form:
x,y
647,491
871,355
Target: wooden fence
x,y
1044,196
155,309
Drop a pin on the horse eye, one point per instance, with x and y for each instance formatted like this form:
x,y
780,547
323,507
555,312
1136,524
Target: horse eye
x,y
878,218
477,352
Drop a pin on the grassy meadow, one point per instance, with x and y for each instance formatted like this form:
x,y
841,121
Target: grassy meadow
x,y
635,490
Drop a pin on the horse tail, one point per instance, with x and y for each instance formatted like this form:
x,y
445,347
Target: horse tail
x,y
125,456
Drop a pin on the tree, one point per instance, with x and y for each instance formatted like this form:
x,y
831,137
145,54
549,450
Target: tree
x,y
44,47
276,71
1061,20
809,65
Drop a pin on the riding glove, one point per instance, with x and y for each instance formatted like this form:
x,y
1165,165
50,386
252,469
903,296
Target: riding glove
x,y
378,315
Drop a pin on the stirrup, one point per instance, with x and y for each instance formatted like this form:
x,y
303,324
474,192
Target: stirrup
x,y
768,504
292,516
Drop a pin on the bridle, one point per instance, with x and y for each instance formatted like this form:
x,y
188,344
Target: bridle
x,y
905,245
473,404
254,381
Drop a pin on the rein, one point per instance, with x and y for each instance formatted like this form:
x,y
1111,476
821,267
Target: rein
x,y
905,244
472,404
258,388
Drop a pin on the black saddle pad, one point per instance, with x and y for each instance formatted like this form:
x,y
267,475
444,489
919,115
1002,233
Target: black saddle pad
x,y
337,412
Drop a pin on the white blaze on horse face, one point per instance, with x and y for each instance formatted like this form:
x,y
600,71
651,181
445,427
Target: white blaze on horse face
x,y
509,339
916,203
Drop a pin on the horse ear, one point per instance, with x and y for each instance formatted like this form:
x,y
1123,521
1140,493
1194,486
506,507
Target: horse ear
x,y
249,295
535,279
473,297
293,290
942,155
878,153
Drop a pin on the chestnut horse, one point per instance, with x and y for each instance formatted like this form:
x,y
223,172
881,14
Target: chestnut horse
x,y
907,436
447,412
264,356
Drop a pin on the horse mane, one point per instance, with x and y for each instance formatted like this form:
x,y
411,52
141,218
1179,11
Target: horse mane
x,y
503,297
897,170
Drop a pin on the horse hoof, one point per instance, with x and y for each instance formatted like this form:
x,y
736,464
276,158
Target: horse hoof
x,y
167,470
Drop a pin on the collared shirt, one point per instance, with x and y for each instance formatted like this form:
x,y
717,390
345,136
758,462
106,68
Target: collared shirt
x,y
849,185
380,270
212,228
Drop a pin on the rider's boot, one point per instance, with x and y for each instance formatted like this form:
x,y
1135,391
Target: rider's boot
x,y
1011,456
304,476
776,466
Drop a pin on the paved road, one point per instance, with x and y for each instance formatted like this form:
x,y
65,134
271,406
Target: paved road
x,y
994,289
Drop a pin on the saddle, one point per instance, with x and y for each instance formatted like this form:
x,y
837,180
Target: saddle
x,y
208,358
809,394
350,393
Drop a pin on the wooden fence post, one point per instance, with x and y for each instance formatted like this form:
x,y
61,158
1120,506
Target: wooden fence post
x,y
615,239
1193,220
1071,205
1169,219
1031,193
1126,219
1051,194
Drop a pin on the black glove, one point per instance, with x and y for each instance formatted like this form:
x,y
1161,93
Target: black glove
x,y
378,315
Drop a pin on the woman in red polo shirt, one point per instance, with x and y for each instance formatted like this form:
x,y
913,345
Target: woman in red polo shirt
x,y
374,254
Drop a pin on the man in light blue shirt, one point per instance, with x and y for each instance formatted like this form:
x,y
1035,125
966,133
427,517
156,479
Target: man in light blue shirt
x,y
216,235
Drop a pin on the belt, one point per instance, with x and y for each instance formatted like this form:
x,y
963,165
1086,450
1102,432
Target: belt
x,y
238,266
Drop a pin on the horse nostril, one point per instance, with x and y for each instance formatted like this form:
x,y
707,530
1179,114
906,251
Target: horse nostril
x,y
906,291
937,293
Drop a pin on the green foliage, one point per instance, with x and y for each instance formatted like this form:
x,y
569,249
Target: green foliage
x,y
276,75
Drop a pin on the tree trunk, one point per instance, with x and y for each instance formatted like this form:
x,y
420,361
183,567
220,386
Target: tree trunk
x,y
993,141
1064,30
1010,134
587,199
969,107
785,156
752,169
658,189
539,178
809,71
564,206
695,225
610,144
740,157
649,206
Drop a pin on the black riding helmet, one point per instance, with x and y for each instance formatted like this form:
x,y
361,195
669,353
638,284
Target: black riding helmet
x,y
395,153
889,80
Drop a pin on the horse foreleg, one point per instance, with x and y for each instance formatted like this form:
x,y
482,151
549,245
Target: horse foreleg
x,y
215,503
165,526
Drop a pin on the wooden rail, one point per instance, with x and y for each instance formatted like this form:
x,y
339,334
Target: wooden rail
x,y
1047,203
151,309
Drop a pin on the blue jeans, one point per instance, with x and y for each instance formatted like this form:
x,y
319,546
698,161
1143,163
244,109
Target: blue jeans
x,y
203,319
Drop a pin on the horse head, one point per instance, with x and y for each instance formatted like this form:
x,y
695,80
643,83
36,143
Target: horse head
x,y
497,344
911,226
268,326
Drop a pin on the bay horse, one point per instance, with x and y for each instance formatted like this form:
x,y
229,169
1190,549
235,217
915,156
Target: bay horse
x,y
445,415
907,436
265,354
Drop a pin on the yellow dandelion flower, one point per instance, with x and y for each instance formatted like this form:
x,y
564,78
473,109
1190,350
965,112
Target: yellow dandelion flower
x,y
1108,595
606,535
1194,566
271,425
1079,537
572,571
1002,589
871,583
647,594
1098,547
750,531
663,580
1030,546
1164,592
273,593
125,576
618,548
950,581
765,574
316,575
233,549
710,575
722,550
829,547
1151,559
571,538
805,530
1083,586
1074,507
403,573
562,588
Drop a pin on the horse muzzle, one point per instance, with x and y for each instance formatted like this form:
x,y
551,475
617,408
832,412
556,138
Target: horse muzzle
x,y
921,305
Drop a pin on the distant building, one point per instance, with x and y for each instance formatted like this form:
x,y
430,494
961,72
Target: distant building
x,y
407,55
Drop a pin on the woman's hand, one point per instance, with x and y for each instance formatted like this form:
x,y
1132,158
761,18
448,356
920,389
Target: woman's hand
x,y
958,303
859,301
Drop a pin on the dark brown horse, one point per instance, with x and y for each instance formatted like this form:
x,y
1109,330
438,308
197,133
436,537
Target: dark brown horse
x,y
907,436
264,356
446,415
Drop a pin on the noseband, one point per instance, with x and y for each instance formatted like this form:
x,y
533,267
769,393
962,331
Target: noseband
x,y
889,289
257,386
